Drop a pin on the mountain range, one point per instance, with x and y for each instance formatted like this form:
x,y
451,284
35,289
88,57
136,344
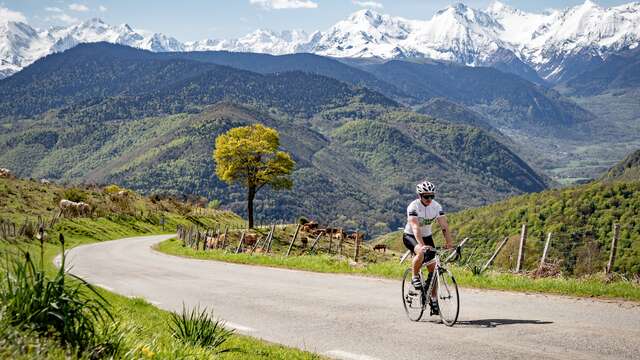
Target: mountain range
x,y
105,113
547,47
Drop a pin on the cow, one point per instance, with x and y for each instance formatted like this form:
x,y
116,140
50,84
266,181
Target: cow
x,y
381,247
250,239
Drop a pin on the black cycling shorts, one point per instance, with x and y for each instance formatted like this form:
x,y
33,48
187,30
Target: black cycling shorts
x,y
410,242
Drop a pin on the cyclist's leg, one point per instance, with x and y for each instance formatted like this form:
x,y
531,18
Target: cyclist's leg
x,y
430,255
411,244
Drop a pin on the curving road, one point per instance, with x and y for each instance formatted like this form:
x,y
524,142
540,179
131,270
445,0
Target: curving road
x,y
349,317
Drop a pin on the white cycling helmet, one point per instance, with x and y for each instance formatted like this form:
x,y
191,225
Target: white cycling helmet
x,y
425,187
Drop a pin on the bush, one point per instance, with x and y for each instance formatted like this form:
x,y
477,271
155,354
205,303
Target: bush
x,y
112,189
52,306
200,329
75,195
302,220
214,204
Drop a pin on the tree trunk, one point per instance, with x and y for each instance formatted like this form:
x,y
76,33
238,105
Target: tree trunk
x,y
250,196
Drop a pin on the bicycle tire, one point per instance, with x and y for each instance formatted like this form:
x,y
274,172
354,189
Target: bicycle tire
x,y
410,295
448,297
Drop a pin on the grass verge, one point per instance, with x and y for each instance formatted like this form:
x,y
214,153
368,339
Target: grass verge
x,y
584,287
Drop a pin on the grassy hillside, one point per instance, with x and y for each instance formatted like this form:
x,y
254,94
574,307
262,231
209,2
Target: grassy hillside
x,y
580,219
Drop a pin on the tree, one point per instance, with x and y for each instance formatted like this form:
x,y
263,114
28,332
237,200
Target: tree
x,y
249,156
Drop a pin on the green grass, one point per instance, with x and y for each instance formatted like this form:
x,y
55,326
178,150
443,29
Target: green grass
x,y
584,287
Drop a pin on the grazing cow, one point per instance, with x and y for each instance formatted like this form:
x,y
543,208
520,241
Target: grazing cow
x,y
45,182
311,225
250,239
381,247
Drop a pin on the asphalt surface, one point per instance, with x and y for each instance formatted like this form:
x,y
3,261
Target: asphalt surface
x,y
350,317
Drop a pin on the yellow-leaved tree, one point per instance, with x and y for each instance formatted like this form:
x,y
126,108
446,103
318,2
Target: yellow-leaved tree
x,y
249,156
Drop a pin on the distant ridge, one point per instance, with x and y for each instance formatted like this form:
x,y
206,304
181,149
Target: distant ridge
x,y
626,170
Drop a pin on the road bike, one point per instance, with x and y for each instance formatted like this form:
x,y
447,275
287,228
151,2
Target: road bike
x,y
415,301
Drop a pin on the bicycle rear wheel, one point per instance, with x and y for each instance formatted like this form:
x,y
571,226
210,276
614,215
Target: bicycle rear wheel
x,y
448,297
413,300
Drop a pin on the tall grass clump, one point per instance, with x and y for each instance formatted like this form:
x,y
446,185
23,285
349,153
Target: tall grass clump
x,y
72,312
199,328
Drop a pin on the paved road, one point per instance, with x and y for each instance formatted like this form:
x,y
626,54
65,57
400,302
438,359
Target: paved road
x,y
350,317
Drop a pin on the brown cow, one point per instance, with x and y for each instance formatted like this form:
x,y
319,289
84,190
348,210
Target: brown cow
x,y
382,247
250,239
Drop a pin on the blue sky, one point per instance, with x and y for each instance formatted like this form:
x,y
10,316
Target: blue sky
x,y
199,19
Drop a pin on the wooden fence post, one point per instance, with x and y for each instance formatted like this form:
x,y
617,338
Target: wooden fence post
x,y
495,254
267,242
273,232
224,238
357,250
315,242
544,252
240,243
523,243
614,245
295,235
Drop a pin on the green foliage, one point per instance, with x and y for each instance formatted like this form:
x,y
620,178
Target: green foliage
x,y
198,327
112,189
213,204
75,194
249,155
31,300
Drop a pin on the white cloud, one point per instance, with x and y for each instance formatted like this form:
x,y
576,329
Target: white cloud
x,y
7,15
368,4
53,9
285,4
102,8
78,7
64,18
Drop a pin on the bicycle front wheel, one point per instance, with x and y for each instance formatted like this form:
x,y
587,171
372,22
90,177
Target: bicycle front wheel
x,y
412,299
448,297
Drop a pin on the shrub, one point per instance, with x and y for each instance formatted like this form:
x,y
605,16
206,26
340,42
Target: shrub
x,y
198,328
302,220
51,306
214,204
74,194
112,189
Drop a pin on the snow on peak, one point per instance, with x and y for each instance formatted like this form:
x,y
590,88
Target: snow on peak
x,y
456,33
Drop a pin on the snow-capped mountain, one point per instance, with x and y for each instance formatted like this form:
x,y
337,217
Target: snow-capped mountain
x,y
551,45
20,44
260,41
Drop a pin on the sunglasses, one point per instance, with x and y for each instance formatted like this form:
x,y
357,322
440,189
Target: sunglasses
x,y
428,197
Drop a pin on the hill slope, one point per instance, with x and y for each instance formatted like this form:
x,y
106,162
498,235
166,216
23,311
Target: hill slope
x,y
337,172
506,99
626,170
115,82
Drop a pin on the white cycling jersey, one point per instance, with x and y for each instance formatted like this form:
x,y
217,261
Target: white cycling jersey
x,y
425,214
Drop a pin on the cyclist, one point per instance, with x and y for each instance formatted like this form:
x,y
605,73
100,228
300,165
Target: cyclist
x,y
421,213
